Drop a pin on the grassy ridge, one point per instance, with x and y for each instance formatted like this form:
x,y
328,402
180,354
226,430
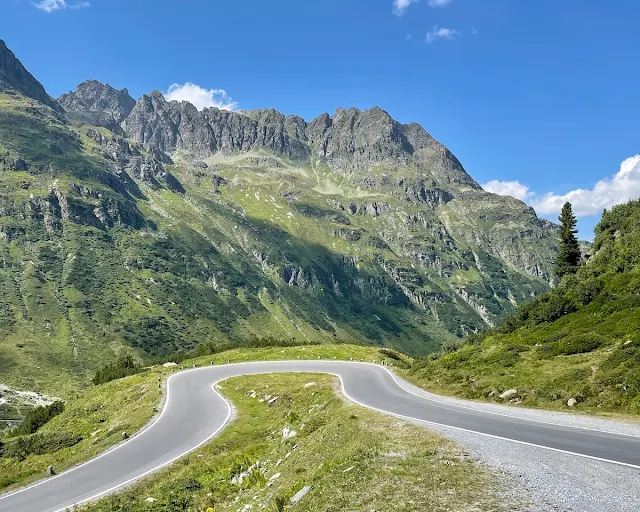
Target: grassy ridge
x,y
580,341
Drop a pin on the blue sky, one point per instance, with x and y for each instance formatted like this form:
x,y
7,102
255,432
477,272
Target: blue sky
x,y
537,98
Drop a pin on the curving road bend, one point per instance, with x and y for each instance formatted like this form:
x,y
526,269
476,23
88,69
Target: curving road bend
x,y
194,412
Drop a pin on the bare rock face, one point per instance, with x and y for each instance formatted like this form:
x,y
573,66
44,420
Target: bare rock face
x,y
353,139
178,126
99,104
15,78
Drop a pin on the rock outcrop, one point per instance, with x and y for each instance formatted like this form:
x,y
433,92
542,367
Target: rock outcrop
x,y
99,104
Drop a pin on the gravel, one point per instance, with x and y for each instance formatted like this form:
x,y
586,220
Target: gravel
x,y
552,481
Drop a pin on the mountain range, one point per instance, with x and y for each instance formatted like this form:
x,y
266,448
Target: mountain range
x,y
152,226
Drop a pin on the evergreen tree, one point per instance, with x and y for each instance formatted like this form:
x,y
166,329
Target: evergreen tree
x,y
569,256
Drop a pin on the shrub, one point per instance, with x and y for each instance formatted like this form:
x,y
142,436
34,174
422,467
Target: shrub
x,y
37,418
37,444
578,344
587,290
123,367
506,356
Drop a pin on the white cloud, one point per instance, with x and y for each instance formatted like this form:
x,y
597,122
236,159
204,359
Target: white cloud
x,y
441,33
201,97
508,188
619,188
400,6
54,5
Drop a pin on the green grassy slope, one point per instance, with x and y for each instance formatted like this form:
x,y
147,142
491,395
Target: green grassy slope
x,y
579,341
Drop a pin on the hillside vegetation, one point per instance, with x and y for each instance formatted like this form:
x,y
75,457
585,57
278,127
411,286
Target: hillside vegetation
x,y
150,227
580,341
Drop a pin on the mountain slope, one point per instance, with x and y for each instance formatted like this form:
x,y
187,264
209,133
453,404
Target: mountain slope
x,y
15,78
580,341
180,227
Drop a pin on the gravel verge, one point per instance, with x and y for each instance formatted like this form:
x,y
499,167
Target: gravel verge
x,y
553,481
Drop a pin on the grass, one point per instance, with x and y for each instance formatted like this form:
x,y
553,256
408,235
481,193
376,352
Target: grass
x,y
328,352
100,414
353,459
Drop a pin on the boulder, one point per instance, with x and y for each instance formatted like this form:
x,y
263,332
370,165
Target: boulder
x,y
508,393
300,494
571,402
287,433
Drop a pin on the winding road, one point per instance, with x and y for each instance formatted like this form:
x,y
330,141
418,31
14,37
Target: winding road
x,y
194,413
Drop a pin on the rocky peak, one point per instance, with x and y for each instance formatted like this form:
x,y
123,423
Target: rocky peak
x,y
354,140
99,104
14,77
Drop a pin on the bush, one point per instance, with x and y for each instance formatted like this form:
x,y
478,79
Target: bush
x,y
570,345
37,444
578,344
506,356
587,290
123,367
37,418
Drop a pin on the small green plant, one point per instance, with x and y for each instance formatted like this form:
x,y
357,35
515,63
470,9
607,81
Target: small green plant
x,y
20,448
280,502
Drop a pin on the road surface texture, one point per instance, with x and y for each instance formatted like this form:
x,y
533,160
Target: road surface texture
x,y
194,412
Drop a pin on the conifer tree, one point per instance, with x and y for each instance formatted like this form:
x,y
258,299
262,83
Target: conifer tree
x,y
569,256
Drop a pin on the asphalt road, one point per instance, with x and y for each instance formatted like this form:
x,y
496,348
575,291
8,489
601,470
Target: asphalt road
x,y
194,413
